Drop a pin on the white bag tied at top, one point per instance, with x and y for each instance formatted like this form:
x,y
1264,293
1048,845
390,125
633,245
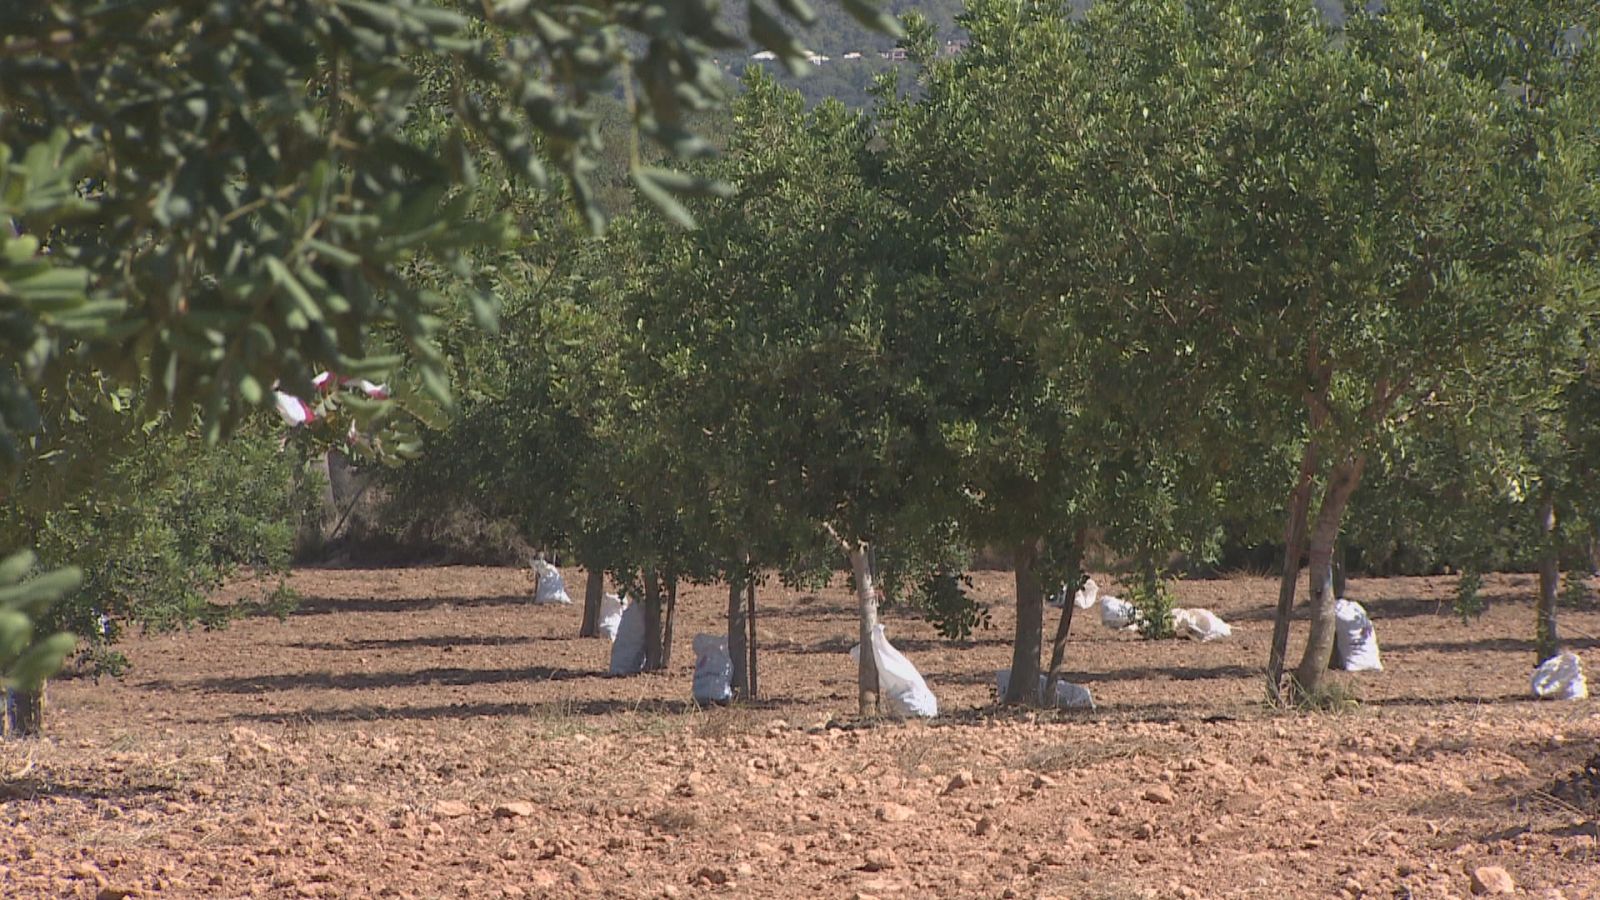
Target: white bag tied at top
x,y
1200,624
713,669
551,588
627,650
900,685
611,609
1355,642
1068,695
1560,678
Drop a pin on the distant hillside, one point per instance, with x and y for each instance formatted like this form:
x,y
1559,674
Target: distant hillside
x,y
835,35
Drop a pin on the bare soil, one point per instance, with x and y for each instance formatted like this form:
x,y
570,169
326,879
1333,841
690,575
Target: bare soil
x,y
431,733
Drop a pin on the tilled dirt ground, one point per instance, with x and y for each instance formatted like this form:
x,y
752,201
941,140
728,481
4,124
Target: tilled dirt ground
x,y
430,733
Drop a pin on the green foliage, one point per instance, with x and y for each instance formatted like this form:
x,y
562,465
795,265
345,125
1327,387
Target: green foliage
x,y
27,659
164,525
1575,592
1469,603
1152,600
946,601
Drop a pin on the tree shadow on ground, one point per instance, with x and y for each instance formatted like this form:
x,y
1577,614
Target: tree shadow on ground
x,y
552,712
1459,699
321,606
435,641
125,796
1498,644
359,681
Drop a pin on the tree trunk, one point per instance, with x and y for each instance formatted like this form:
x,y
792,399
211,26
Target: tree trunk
x,y
594,589
24,713
652,622
1545,641
750,597
1025,650
867,603
671,617
1294,539
1313,668
1058,647
738,632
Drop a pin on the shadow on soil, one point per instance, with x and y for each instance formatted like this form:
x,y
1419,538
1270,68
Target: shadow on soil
x,y
126,796
542,711
358,681
322,606
1504,645
432,641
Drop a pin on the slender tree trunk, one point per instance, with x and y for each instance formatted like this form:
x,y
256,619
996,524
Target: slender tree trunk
x,y
1545,641
594,589
1025,650
1313,668
867,603
750,597
652,622
671,617
25,713
738,632
1058,647
1294,539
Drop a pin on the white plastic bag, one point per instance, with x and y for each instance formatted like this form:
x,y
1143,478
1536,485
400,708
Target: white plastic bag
x,y
627,650
1200,624
611,609
713,669
1117,613
1355,642
1087,595
900,685
1083,599
1068,695
551,588
1560,678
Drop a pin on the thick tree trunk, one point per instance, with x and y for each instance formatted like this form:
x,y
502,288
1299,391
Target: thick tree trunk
x,y
1545,640
1313,669
1025,650
738,631
594,589
652,622
1058,647
867,604
671,617
750,597
1294,539
24,713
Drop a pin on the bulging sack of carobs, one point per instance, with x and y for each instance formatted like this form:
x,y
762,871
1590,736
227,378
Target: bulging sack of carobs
x,y
611,610
713,669
903,691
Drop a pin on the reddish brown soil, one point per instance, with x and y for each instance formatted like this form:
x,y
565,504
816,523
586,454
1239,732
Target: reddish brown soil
x,y
363,746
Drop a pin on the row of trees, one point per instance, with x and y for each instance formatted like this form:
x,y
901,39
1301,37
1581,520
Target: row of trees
x,y
1156,273
202,200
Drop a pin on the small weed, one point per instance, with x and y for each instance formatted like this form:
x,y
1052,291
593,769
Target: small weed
x,y
675,820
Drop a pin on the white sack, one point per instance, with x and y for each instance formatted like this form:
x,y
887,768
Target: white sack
x,y
551,588
1087,595
1200,624
1560,678
627,649
900,685
1117,613
1083,599
1355,642
611,609
1068,695
713,669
